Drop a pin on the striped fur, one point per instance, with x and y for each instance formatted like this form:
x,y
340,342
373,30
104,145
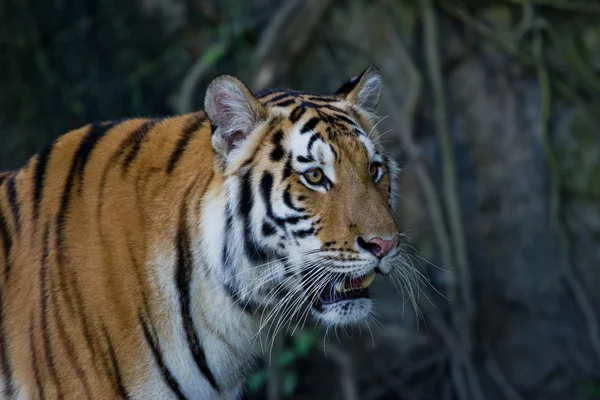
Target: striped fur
x,y
142,258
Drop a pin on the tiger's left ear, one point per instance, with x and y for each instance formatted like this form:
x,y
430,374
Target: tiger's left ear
x,y
233,111
364,90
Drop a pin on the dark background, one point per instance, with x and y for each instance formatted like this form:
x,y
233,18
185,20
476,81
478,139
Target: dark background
x,y
493,109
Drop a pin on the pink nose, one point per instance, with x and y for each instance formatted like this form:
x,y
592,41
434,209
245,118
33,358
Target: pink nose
x,y
377,246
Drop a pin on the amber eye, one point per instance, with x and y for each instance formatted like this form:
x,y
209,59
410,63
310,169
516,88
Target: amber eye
x,y
374,170
314,176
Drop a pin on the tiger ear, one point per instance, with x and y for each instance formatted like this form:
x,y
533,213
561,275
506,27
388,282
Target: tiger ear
x,y
233,111
364,90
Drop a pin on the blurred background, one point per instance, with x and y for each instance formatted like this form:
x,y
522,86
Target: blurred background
x,y
492,107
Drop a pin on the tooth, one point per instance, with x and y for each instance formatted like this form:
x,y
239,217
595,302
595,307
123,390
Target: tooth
x,y
340,287
367,281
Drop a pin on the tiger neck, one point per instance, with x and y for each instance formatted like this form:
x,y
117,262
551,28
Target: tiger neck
x,y
227,268
203,296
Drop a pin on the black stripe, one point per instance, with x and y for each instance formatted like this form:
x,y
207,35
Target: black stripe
x,y
44,316
335,154
229,284
266,92
293,220
226,230
166,374
246,200
331,108
310,125
285,103
296,93
13,202
134,142
277,153
6,243
303,233
87,332
136,267
186,136
4,176
115,364
323,99
68,344
253,251
268,229
6,368
39,180
82,154
279,97
334,118
349,85
287,200
86,146
287,169
312,105
348,121
297,113
34,361
387,160
80,157
303,159
311,141
287,92
266,186
184,280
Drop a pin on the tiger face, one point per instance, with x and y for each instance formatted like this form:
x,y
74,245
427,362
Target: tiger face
x,y
314,193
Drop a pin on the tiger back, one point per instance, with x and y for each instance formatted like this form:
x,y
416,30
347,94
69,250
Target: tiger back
x,y
143,258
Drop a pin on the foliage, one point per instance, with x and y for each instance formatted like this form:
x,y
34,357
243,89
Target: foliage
x,y
65,63
299,348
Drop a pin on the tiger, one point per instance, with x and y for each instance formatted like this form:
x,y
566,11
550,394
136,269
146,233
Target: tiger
x,y
142,258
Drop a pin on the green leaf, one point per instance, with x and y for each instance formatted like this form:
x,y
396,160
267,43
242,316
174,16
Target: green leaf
x,y
286,358
213,54
257,381
500,18
589,390
303,342
290,381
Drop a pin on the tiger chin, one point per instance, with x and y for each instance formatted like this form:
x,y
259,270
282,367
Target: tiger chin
x,y
141,258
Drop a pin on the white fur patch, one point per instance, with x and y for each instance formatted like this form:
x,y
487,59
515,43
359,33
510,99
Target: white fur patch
x,y
323,157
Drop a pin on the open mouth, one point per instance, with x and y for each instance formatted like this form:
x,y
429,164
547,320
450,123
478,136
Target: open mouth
x,y
348,289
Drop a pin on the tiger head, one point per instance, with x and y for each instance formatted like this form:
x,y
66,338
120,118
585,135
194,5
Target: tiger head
x,y
309,198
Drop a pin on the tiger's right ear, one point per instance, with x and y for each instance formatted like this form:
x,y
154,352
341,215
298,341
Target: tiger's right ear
x,y
364,90
233,111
